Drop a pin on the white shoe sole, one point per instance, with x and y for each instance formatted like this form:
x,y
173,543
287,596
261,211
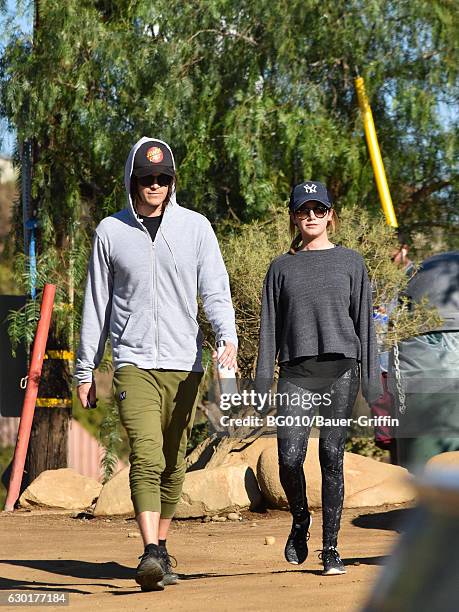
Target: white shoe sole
x,y
333,572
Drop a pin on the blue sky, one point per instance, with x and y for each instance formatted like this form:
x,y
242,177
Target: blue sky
x,y
18,17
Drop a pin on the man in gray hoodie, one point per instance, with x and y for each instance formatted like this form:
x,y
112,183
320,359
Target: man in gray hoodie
x,y
148,264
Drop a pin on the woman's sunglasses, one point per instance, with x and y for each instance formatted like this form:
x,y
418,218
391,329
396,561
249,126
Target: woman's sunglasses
x,y
163,180
304,211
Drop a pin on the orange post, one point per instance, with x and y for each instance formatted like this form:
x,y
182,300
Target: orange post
x,y
28,407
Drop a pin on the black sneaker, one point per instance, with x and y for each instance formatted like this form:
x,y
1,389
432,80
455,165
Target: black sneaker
x,y
150,571
170,577
332,562
296,548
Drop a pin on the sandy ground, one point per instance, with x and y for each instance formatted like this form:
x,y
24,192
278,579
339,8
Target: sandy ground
x,y
224,566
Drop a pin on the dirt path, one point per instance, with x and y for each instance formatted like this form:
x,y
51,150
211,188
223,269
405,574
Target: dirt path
x,y
225,566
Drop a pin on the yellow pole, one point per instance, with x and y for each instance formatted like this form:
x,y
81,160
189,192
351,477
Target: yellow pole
x,y
375,154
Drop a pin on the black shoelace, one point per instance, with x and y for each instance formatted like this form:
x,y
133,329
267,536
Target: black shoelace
x,y
299,528
166,557
329,551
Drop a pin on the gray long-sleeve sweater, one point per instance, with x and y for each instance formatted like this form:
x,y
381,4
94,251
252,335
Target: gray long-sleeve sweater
x,y
317,302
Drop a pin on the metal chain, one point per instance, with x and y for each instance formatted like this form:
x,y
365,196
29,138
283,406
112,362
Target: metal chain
x,y
398,381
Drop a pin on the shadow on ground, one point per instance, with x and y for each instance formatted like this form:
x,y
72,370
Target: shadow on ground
x,y
350,561
8,584
392,520
74,568
98,572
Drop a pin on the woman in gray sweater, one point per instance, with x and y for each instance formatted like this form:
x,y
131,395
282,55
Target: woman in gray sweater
x,y
316,321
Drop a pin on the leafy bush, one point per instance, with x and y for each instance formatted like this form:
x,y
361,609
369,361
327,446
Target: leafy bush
x,y
364,446
199,433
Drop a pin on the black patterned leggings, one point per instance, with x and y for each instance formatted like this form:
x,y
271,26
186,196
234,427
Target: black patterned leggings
x,y
292,441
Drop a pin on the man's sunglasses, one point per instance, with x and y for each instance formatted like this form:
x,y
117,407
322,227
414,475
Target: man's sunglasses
x,y
163,180
304,211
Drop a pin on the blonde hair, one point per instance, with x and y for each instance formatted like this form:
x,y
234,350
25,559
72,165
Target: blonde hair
x,y
295,235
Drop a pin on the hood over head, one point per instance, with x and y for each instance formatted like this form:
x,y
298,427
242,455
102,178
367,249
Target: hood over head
x,y
152,148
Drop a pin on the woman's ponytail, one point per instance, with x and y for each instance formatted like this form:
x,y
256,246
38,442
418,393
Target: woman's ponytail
x,y
296,238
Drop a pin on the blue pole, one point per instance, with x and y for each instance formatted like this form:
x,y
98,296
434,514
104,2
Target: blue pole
x,y
32,225
26,167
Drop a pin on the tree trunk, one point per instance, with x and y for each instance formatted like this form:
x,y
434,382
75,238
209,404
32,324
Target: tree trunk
x,y
49,436
48,441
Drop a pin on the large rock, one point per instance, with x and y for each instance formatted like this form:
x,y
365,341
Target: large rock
x,y
115,497
448,460
393,490
63,488
234,451
205,492
366,482
201,454
222,489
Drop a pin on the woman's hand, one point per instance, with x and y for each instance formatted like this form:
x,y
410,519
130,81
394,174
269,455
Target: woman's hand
x,y
228,357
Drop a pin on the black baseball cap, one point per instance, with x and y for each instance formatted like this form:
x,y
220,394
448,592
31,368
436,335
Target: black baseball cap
x,y
307,191
153,157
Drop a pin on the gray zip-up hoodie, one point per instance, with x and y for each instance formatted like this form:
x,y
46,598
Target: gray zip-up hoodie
x,y
144,293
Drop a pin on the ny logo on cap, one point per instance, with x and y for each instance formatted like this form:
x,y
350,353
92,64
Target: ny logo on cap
x,y
310,188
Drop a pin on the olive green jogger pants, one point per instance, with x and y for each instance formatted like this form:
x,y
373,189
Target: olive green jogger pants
x,y
157,409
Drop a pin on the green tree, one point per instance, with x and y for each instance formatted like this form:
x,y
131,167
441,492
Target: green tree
x,y
253,97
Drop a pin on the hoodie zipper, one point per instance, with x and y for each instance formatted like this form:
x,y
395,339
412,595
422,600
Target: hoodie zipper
x,y
154,286
154,292
155,303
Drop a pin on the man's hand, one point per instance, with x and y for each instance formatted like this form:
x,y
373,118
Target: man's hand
x,y
87,394
228,358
